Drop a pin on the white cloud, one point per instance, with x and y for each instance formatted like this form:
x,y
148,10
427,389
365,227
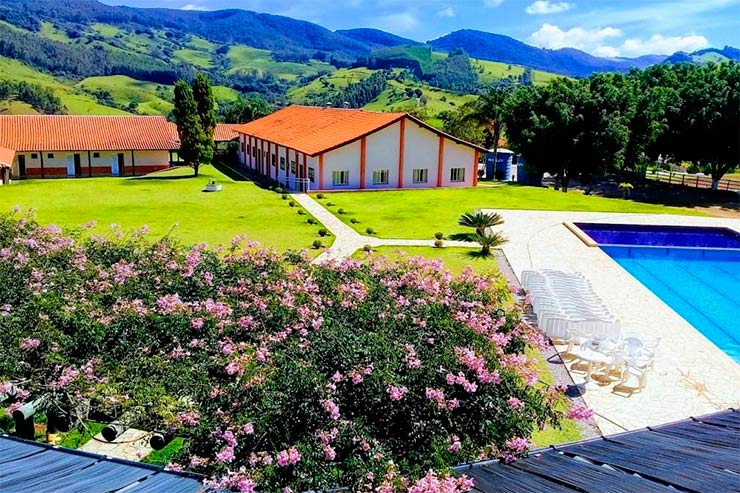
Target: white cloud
x,y
492,4
550,36
547,7
662,45
448,12
193,6
402,22
605,51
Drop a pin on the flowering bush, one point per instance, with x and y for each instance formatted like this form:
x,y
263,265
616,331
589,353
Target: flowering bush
x,y
281,376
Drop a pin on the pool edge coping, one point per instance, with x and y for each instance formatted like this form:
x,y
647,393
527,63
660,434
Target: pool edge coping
x,y
580,234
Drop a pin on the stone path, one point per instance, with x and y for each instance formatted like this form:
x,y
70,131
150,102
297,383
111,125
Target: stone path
x,y
347,241
133,444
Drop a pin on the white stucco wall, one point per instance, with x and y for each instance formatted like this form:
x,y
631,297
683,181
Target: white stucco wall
x,y
458,156
346,158
62,164
382,152
421,151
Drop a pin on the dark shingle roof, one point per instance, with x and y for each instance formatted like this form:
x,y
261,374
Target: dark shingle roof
x,y
694,455
36,467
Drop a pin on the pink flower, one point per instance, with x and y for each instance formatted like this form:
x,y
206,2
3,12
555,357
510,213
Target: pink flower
x,y
518,444
579,412
288,457
248,429
331,408
337,377
397,393
28,344
189,418
226,455
455,444
514,403
329,453
197,323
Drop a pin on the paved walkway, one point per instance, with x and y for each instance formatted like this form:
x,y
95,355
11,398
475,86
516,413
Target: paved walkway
x,y
133,444
347,241
691,377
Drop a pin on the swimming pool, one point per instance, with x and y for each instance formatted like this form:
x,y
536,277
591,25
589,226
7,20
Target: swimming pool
x,y
696,271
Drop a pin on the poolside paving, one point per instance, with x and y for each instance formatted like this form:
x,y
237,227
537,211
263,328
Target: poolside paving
x,y
692,376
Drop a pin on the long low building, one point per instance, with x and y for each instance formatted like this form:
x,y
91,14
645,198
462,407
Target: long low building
x,y
46,146
317,148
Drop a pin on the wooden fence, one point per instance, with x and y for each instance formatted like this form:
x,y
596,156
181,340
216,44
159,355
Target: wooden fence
x,y
695,181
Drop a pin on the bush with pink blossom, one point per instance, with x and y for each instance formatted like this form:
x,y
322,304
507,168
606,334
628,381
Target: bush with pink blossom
x,y
278,374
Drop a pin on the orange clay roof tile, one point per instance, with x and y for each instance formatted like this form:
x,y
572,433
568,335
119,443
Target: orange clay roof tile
x,y
6,156
313,130
79,133
225,132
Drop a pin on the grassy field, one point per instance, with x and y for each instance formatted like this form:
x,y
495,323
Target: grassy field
x,y
247,59
198,58
336,80
168,201
492,71
153,99
421,213
457,260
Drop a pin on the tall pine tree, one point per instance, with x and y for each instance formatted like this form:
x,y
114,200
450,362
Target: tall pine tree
x,y
206,108
189,127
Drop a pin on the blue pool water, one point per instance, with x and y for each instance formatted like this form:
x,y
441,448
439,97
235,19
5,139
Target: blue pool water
x,y
697,273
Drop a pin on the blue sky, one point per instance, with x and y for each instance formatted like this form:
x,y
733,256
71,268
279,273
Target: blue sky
x,y
601,27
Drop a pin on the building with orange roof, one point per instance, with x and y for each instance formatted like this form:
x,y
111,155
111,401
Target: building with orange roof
x,y
45,146
318,148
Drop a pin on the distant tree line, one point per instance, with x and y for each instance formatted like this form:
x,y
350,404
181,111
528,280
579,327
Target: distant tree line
x,y
454,73
39,98
613,123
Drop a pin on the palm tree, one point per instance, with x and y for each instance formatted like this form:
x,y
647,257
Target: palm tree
x,y
480,221
488,241
488,112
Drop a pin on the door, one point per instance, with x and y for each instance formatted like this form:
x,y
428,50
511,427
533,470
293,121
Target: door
x,y
78,165
121,169
21,165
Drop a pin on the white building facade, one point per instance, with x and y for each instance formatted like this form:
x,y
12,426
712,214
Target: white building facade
x,y
388,153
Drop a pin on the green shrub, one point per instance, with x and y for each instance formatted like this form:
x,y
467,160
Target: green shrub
x,y
311,220
341,211
320,196
370,231
301,212
174,337
438,243
439,235
330,204
284,196
279,190
354,220
318,244
367,248
292,203
323,232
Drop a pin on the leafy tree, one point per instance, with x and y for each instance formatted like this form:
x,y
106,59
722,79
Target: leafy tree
x,y
206,105
243,110
488,112
708,124
189,126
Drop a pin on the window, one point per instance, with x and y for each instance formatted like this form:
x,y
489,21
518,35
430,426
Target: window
x,y
457,174
34,155
282,163
274,160
292,167
254,151
340,178
420,175
311,174
50,155
96,154
380,177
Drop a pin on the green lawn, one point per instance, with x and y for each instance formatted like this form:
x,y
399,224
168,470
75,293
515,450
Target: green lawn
x,y
166,202
247,59
457,260
421,213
